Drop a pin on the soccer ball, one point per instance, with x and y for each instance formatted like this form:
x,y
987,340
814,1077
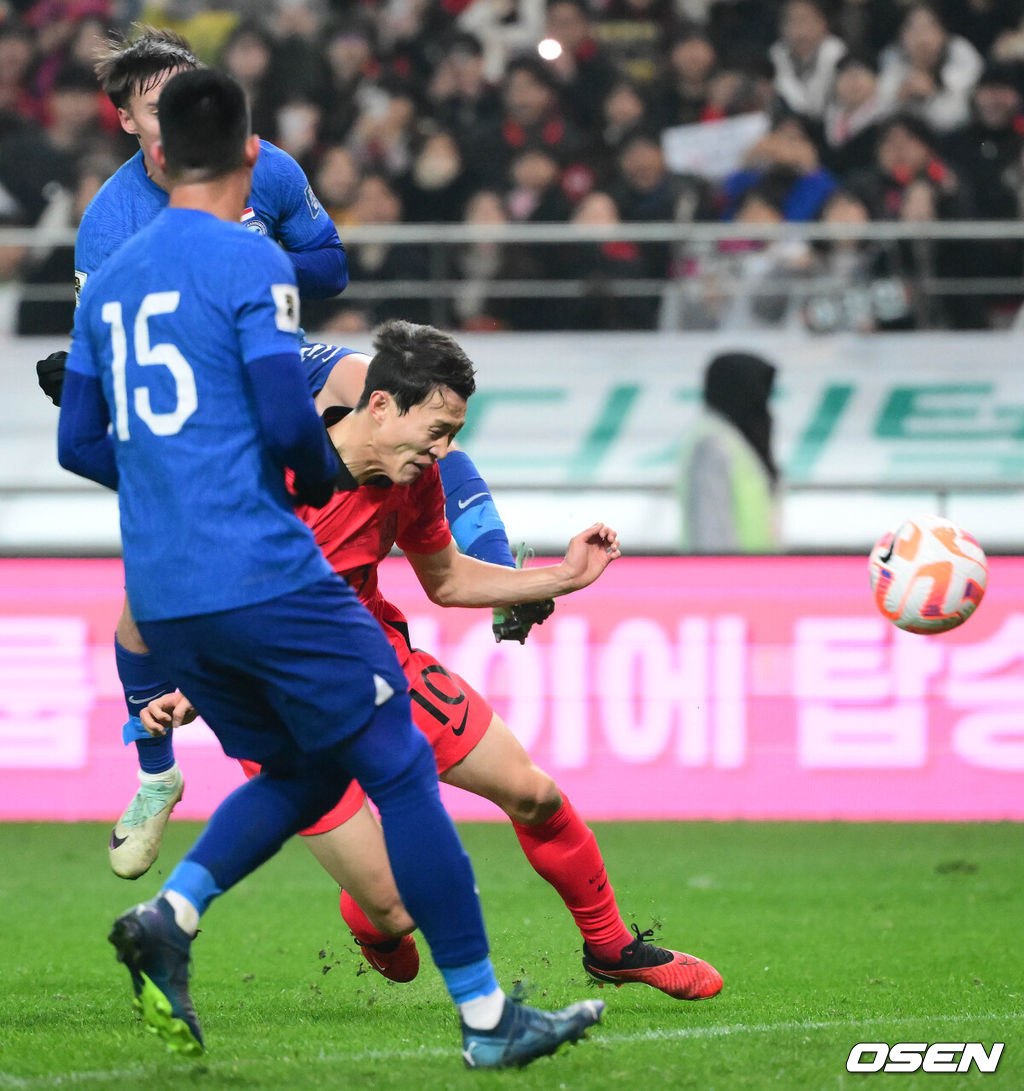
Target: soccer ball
x,y
927,575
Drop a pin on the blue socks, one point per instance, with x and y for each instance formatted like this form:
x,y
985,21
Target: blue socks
x,y
143,680
470,982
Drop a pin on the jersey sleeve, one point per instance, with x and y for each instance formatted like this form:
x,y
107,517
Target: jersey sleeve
x,y
267,304
106,223
428,532
303,224
81,357
99,235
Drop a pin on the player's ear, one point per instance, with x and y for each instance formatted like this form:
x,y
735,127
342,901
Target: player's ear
x,y
252,150
158,156
127,121
378,404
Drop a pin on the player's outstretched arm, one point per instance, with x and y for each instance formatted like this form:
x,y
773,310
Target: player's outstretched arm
x,y
479,531
450,578
472,515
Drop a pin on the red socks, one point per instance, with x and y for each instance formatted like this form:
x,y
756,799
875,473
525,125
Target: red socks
x,y
564,851
359,922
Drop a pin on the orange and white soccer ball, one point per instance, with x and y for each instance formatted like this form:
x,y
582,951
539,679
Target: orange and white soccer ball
x,y
928,575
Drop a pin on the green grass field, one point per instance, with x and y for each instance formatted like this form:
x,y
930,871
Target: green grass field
x,y
827,935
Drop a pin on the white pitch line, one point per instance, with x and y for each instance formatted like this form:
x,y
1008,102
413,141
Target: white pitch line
x,y
653,1035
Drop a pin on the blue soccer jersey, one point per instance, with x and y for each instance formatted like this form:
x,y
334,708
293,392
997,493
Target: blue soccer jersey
x,y
281,205
170,343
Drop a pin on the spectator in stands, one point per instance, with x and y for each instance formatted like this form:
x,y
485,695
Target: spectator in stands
x,y
909,181
602,305
981,22
246,54
74,114
928,71
852,115
532,117
682,93
385,133
477,265
644,190
625,111
868,26
986,153
54,23
50,264
296,127
857,283
991,142
350,77
1009,45
734,90
461,97
635,34
336,183
438,185
18,102
755,284
805,57
907,152
298,68
378,202
505,28
785,161
582,71
535,194
742,31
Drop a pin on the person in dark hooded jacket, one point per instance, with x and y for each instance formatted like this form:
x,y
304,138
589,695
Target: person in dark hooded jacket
x,y
728,479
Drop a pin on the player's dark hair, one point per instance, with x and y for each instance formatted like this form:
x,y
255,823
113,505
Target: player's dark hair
x,y
411,361
128,68
204,123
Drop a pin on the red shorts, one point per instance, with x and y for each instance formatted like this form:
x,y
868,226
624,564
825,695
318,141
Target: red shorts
x,y
445,707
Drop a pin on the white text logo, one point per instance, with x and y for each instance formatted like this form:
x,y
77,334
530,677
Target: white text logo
x,y
911,1056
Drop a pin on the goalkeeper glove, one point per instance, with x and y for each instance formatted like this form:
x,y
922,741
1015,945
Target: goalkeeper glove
x,y
515,622
50,374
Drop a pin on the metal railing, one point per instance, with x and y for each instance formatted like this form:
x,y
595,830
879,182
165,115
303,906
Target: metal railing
x,y
442,285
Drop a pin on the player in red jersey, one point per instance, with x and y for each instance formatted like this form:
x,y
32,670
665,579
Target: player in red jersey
x,y
475,750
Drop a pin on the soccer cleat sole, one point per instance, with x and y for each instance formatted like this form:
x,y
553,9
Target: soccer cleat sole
x,y
149,1001
160,1020
684,978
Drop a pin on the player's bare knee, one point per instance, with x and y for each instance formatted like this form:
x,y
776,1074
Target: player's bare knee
x,y
536,801
128,635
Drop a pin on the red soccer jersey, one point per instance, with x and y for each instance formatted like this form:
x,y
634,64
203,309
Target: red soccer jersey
x,y
357,530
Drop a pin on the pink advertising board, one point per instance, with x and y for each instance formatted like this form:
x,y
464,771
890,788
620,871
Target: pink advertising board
x,y
673,688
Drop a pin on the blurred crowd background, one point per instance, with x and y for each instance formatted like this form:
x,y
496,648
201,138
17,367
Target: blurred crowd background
x,y
563,111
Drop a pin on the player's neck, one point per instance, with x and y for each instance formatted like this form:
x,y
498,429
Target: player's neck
x,y
353,441
222,197
155,174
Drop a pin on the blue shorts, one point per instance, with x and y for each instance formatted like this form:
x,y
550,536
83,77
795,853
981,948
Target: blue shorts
x,y
319,359
293,675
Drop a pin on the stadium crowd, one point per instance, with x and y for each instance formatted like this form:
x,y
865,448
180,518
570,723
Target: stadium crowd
x,y
446,111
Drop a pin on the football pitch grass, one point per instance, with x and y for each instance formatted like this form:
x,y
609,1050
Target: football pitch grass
x,y
827,935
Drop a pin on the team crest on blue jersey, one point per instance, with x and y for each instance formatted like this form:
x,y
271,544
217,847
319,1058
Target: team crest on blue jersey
x,y
312,202
250,220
